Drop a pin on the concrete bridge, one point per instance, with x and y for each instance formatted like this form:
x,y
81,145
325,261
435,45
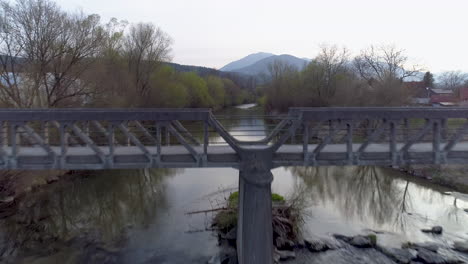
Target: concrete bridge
x,y
181,138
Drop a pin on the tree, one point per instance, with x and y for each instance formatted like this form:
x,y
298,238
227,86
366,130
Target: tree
x,y
45,52
197,90
380,63
323,76
428,80
146,47
452,80
280,90
216,90
233,93
384,68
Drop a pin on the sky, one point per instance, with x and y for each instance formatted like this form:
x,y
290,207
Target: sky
x,y
212,33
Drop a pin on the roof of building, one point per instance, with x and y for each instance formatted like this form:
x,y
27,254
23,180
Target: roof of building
x,y
441,91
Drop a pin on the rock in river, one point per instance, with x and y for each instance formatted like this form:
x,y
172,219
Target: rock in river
x,y
429,257
434,230
461,246
428,246
361,242
316,245
284,254
400,255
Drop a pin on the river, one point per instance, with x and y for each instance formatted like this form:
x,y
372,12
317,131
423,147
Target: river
x,y
130,216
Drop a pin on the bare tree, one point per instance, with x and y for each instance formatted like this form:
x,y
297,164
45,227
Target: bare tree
x,y
47,52
326,72
380,63
452,80
280,89
146,46
12,65
384,68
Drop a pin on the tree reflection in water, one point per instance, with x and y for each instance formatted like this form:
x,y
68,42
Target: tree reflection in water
x,y
366,193
98,208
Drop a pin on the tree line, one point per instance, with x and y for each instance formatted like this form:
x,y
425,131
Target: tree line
x,y
53,58
377,76
373,78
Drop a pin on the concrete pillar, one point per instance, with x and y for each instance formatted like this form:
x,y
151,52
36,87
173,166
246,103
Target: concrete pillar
x,y
254,226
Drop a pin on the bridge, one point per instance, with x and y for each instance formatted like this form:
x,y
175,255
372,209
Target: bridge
x,y
92,139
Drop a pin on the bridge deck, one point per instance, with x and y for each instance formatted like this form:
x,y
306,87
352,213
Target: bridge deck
x,y
79,157
224,149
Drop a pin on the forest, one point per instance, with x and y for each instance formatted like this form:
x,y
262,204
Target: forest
x,y
52,58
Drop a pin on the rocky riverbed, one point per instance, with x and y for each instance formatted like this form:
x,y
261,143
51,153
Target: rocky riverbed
x,y
359,249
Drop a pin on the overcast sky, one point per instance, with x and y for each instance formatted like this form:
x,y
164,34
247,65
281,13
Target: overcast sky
x,y
214,32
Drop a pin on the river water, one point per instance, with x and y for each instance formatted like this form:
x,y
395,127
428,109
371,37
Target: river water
x,y
130,216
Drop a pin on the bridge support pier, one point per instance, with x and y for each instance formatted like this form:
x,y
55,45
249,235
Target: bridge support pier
x,y
254,224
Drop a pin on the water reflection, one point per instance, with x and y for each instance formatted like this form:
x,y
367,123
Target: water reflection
x,y
360,192
380,199
100,207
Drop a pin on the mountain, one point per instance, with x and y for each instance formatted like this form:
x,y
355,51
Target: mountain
x,y
246,61
261,67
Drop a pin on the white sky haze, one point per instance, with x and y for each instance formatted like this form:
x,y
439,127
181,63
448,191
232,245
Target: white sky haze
x,y
213,33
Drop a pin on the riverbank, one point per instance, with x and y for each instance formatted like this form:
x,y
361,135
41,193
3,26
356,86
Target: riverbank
x,y
451,176
15,184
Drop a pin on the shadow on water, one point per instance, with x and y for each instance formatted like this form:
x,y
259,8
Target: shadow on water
x,y
87,214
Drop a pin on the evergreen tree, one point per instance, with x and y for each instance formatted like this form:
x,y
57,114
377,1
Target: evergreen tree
x,y
428,79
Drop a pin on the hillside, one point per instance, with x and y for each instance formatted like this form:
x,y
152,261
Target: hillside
x,y
246,61
240,79
261,66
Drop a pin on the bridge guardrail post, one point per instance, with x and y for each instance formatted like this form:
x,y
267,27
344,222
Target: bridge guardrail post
x,y
12,161
393,144
255,228
111,139
63,144
206,142
436,141
349,142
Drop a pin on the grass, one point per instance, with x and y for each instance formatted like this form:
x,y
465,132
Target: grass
x,y
277,198
233,200
373,239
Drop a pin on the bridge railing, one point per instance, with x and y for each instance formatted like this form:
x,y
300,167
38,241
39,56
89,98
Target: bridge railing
x,y
391,136
64,138
122,138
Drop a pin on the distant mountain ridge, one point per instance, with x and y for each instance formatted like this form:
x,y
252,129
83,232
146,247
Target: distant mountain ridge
x,y
257,64
246,61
